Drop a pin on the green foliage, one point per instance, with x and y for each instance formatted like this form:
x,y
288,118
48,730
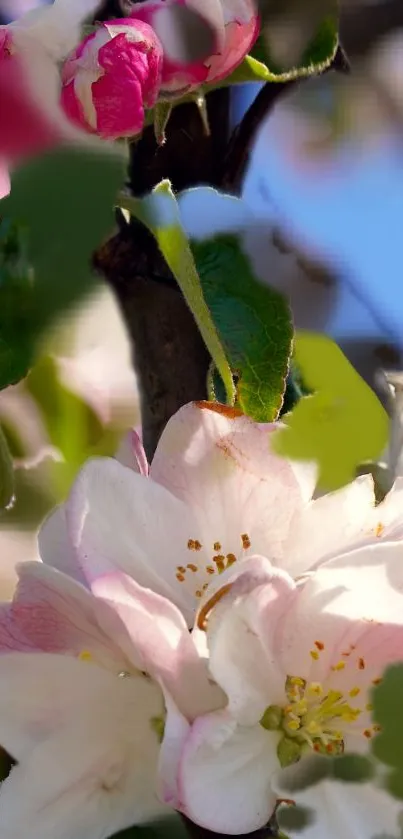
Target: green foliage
x,y
253,322
294,817
342,425
159,212
259,66
59,211
352,768
16,293
6,473
309,771
71,424
387,746
161,115
35,496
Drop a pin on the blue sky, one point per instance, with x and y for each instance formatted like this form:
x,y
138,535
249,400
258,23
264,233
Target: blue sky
x,y
348,210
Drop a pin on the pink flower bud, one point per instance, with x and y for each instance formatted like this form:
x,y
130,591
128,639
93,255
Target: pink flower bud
x,y
240,28
111,77
242,24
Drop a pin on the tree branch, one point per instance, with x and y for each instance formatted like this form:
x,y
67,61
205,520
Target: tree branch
x,y
244,135
168,353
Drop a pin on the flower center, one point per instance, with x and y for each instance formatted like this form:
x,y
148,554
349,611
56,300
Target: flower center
x,y
206,563
311,719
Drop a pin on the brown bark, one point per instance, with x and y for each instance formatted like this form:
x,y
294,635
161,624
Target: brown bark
x,y
169,355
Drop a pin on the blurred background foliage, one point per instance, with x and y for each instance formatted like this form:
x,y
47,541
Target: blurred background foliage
x,y
78,400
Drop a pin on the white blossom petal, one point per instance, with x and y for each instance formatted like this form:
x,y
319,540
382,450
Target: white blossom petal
x,y
244,666
328,525
96,775
55,546
225,774
41,692
346,625
221,465
52,613
359,811
119,520
155,628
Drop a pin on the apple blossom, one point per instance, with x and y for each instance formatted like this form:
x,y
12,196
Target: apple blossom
x,y
237,34
77,710
214,496
298,663
111,77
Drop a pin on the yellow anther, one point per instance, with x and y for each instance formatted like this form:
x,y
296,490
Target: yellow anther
x,y
315,689
301,707
314,654
354,692
85,655
313,727
293,725
339,666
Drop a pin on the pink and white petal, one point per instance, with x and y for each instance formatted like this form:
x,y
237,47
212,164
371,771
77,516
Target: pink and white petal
x,y
242,660
221,465
329,525
238,41
225,774
346,623
95,776
358,811
27,127
5,184
176,730
55,547
40,693
56,29
154,627
387,518
51,613
131,453
121,521
306,473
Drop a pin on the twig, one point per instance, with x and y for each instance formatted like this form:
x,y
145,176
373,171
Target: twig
x,y
244,135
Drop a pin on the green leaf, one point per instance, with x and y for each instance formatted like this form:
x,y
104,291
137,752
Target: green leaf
x,y
71,424
16,325
259,66
254,324
342,425
6,473
394,783
60,209
352,768
387,700
294,817
307,773
161,116
160,213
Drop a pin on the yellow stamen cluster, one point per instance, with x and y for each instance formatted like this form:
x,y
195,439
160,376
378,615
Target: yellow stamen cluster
x,y
316,716
219,562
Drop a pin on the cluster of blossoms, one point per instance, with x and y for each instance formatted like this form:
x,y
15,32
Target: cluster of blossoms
x,y
115,711
108,79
